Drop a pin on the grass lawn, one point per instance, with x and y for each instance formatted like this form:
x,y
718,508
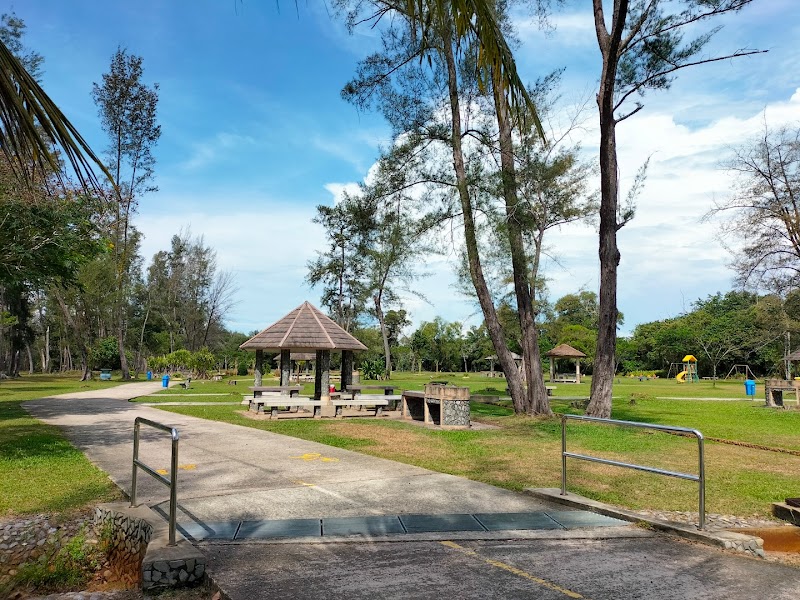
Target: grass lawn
x,y
525,452
39,469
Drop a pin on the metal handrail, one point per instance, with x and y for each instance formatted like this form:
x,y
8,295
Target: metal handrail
x,y
700,477
171,483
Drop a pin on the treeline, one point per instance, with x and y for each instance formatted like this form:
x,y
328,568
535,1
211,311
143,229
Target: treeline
x,y
75,293
722,330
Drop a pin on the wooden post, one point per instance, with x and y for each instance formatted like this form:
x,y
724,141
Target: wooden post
x,y
347,369
286,367
259,367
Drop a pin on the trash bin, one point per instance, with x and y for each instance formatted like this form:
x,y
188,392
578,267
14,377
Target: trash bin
x,y
750,387
165,381
105,374
149,376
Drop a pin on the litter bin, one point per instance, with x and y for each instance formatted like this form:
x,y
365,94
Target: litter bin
x,y
165,381
750,387
149,376
105,374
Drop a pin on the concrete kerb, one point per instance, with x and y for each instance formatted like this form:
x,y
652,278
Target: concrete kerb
x,y
729,540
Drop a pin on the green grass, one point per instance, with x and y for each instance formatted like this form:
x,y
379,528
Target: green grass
x,y
525,452
39,469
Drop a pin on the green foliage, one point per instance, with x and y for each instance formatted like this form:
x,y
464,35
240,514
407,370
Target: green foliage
x,y
202,362
242,369
70,567
105,354
372,369
180,359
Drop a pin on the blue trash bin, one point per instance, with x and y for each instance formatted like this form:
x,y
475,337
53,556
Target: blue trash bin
x,y
750,387
149,376
165,381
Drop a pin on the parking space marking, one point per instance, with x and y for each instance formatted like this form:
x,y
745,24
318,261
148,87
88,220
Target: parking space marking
x,y
513,570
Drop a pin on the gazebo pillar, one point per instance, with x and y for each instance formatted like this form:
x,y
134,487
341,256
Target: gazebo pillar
x,y
322,382
286,366
552,368
347,369
577,370
259,367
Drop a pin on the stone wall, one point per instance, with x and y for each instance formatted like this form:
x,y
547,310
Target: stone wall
x,y
127,538
142,542
27,539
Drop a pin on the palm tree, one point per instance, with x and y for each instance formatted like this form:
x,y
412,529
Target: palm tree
x,y
32,127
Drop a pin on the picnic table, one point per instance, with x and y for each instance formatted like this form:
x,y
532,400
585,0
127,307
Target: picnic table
x,y
291,390
388,392
358,388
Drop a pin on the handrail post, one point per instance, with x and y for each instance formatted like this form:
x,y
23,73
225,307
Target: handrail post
x,y
563,455
172,482
173,491
135,459
700,478
702,475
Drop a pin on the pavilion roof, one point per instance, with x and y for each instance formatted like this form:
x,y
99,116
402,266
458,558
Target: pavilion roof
x,y
794,355
306,328
565,351
514,355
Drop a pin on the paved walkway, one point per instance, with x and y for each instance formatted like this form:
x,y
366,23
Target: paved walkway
x,y
279,497
232,475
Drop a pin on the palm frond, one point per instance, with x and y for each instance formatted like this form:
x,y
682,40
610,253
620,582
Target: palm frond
x,y
31,126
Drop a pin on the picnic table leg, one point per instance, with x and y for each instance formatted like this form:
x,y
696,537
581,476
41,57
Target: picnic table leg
x,y
274,414
403,407
426,411
378,411
338,411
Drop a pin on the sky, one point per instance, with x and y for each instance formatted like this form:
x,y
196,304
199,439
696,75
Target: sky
x,y
255,135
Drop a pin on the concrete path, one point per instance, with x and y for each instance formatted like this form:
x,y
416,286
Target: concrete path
x,y
236,480
233,473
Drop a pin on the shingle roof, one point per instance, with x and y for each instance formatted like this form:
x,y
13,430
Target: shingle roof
x,y
305,328
565,351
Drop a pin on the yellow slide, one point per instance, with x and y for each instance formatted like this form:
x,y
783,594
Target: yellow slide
x,y
681,377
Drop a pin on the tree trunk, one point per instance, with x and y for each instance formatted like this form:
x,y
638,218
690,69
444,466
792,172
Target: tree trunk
x,y
123,358
384,334
493,326
536,400
46,361
603,373
30,359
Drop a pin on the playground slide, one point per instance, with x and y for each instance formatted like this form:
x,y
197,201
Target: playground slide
x,y
681,377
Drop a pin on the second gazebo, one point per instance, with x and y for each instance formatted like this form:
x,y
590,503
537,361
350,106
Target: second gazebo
x,y
565,351
306,329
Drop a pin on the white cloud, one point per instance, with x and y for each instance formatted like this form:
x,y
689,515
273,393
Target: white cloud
x,y
267,252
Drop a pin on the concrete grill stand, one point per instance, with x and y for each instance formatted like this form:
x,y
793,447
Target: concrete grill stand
x,y
443,405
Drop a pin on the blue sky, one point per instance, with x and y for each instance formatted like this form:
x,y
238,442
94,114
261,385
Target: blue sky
x,y
255,135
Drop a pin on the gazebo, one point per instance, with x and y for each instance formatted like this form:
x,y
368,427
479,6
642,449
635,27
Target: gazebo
x,y
565,351
306,329
493,358
296,357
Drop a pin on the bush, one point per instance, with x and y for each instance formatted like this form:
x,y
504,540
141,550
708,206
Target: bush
x,y
373,369
202,362
241,370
